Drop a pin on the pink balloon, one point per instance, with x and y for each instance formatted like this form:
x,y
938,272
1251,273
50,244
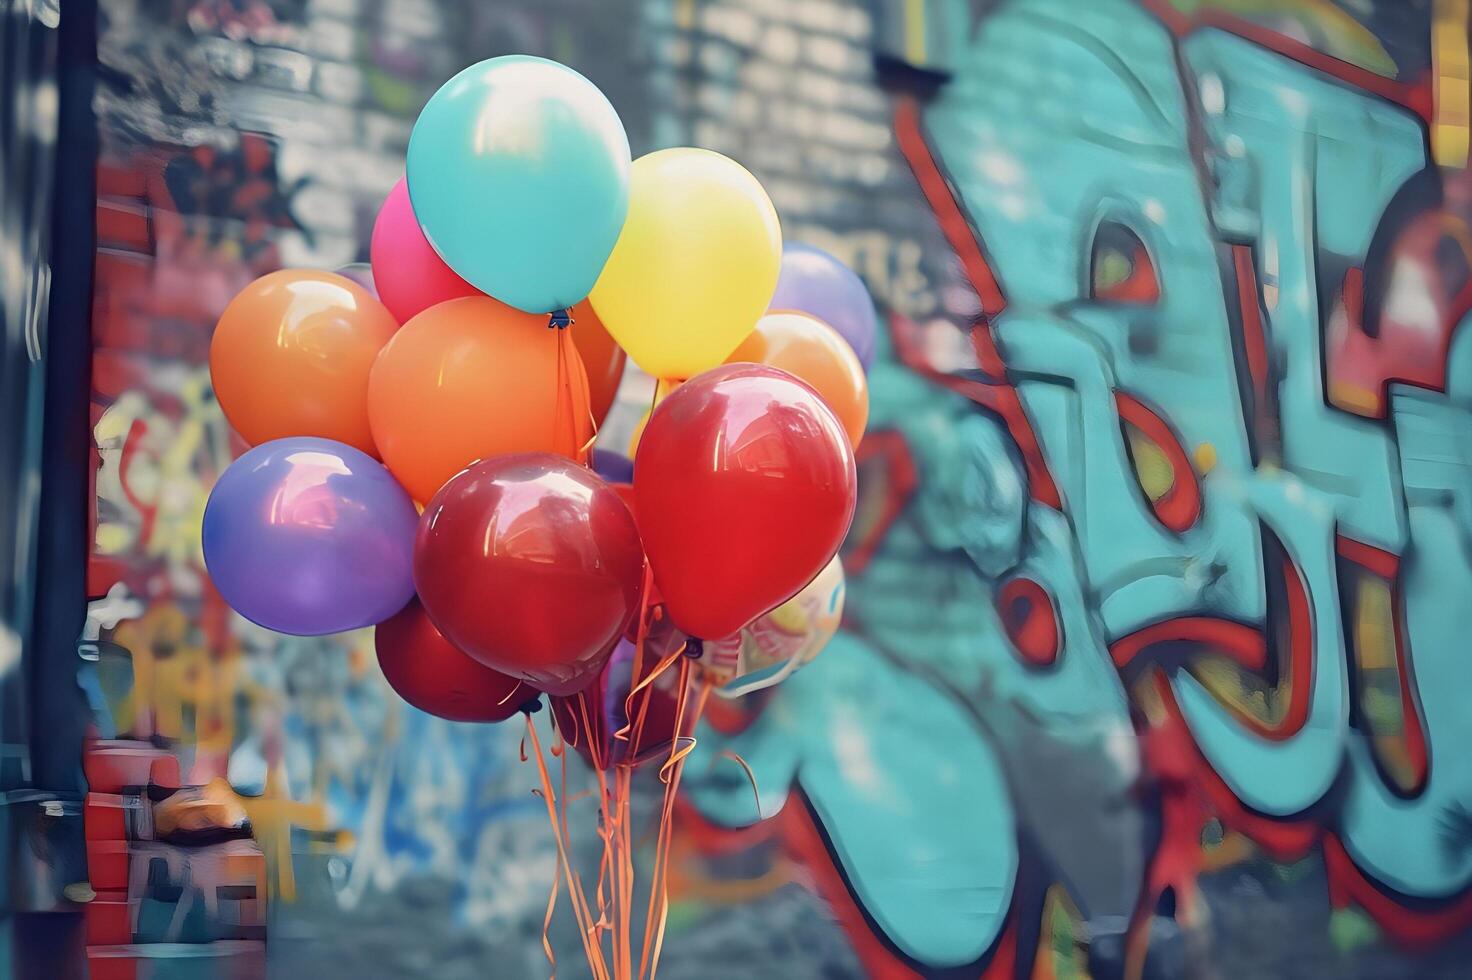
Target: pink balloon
x,y
409,275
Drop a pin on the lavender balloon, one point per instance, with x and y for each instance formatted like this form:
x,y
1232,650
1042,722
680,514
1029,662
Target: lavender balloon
x,y
812,281
612,466
309,536
362,274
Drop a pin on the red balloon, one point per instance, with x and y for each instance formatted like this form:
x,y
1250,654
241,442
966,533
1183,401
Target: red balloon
x,y
407,272
744,485
433,675
532,565
625,493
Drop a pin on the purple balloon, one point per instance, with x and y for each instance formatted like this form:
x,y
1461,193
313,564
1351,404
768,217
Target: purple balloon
x,y
309,536
613,467
362,274
812,281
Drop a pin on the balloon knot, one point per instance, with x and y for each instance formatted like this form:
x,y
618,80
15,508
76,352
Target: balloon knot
x,y
694,649
532,706
560,319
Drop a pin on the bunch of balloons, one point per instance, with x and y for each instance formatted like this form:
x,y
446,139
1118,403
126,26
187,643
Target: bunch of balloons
x,y
422,435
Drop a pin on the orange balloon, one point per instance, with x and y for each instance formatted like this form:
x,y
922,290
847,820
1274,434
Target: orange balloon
x,y
472,378
291,356
811,350
603,358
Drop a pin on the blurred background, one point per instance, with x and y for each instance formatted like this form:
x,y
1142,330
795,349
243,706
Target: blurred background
x,y
1154,658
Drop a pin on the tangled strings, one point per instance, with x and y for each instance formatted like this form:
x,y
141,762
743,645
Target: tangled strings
x,y
605,925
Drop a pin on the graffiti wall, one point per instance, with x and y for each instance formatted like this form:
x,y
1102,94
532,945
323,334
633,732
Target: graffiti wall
x,y
1194,517
1152,660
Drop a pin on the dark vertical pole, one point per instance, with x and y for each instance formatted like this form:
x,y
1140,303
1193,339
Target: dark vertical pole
x,y
58,716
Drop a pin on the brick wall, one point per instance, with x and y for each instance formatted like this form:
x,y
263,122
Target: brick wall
x,y
240,136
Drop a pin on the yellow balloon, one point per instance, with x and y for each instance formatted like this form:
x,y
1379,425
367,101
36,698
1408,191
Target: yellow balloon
x,y
695,265
662,390
638,433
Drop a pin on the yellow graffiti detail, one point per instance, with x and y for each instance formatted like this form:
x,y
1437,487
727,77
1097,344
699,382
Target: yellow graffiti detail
x,y
915,32
181,688
1152,467
272,818
1331,30
1205,458
1452,112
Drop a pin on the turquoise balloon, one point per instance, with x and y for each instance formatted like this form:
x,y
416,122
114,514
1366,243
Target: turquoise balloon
x,y
518,172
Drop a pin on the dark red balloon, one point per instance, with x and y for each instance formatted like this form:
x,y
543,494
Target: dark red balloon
x,y
433,675
625,493
744,485
590,719
532,565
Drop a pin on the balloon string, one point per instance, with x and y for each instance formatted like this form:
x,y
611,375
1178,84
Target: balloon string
x,y
571,350
511,694
684,745
592,924
595,750
547,924
573,720
585,454
660,899
605,818
654,876
562,321
622,838
564,803
616,869
654,400
565,420
667,825
623,776
574,892
746,768
642,633
667,820
562,419
574,889
641,637
558,412
605,860
650,678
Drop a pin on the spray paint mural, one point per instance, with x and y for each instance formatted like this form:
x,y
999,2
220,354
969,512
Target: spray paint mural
x,y
1203,553
1151,655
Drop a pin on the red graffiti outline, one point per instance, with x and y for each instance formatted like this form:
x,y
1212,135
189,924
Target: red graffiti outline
x,y
890,446
1037,636
1254,333
1247,646
1386,566
1410,925
1242,643
1180,507
1414,97
1285,839
806,841
999,396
